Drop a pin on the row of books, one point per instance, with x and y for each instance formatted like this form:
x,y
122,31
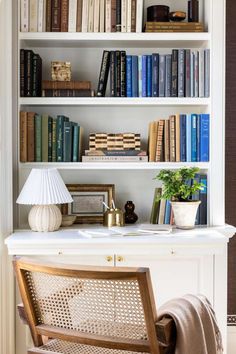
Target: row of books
x,y
162,212
30,74
184,73
174,27
181,138
81,15
71,88
47,139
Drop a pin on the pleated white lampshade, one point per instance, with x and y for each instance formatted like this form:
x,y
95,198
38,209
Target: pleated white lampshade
x,y
44,187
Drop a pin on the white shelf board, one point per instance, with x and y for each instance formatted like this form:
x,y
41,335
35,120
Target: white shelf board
x,y
123,40
113,101
114,165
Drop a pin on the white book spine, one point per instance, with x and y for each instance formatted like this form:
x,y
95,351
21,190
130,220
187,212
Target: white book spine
x,y
24,16
102,16
40,15
96,15
139,16
123,16
85,16
44,15
91,16
72,15
201,73
129,6
108,15
33,15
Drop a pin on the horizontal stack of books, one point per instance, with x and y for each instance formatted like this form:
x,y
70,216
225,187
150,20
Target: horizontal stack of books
x,y
47,139
162,212
115,148
30,74
81,15
182,138
174,27
66,88
183,73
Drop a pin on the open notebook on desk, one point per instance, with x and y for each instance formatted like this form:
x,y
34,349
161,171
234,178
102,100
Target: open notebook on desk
x,y
138,230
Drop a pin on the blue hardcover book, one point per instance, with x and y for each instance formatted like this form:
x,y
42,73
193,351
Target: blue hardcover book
x,y
188,138
162,71
129,76
167,213
198,138
155,74
194,137
134,76
140,79
76,143
196,196
168,79
183,154
144,76
204,137
149,76
203,198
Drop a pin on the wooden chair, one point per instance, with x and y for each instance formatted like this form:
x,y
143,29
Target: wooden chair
x,y
91,310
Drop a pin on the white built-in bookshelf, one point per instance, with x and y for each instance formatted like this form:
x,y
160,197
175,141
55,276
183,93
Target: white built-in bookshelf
x,y
133,181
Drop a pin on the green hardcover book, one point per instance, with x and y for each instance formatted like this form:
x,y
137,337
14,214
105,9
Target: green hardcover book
x,y
38,137
54,140
45,137
60,136
155,206
49,139
76,133
67,143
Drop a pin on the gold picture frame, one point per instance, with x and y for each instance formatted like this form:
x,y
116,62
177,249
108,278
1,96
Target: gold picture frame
x,y
87,202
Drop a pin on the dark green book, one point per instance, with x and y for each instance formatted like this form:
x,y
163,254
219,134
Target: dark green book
x,y
76,133
67,143
38,137
155,206
54,140
60,132
45,119
49,139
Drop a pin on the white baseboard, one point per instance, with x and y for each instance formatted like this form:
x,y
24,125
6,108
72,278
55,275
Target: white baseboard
x,y
231,340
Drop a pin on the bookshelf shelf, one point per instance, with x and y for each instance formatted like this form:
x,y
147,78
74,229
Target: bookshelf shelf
x,y
117,40
115,165
112,101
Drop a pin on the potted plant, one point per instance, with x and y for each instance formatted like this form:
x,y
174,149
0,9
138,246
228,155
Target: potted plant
x,y
179,187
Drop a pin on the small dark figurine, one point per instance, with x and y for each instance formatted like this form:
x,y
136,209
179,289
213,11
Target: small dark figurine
x,y
130,216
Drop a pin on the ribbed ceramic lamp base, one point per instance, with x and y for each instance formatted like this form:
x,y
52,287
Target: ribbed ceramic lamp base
x,y
45,218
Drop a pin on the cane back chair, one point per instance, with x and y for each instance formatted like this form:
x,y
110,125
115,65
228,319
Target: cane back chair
x,y
91,310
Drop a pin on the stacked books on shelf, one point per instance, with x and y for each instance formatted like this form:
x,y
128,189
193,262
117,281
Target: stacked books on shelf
x,y
183,73
174,27
162,212
47,139
81,15
105,147
52,88
30,74
181,138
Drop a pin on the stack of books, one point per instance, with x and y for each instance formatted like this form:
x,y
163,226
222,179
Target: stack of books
x,y
162,212
174,27
115,148
30,74
66,88
81,15
183,73
47,139
181,138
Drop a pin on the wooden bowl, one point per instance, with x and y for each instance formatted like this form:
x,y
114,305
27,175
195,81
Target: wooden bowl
x,y
177,16
68,220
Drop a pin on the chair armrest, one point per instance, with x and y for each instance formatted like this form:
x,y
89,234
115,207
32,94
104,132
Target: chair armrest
x,y
166,331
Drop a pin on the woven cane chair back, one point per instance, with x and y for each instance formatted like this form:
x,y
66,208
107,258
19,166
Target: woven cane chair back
x,y
87,303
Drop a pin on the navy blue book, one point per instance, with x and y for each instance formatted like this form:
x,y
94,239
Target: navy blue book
x,y
112,73
144,76
155,75
149,76
194,137
183,135
129,75
168,81
134,76
203,198
198,138
204,137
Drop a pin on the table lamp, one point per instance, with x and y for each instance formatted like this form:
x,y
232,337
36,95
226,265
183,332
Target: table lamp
x,y
43,189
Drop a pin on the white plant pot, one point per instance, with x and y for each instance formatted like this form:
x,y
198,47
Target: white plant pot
x,y
185,214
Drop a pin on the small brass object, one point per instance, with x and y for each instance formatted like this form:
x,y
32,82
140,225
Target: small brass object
x,y
120,259
113,217
119,217
109,258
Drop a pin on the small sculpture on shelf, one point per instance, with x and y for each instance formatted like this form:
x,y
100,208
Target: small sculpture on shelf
x,y
177,16
130,216
61,71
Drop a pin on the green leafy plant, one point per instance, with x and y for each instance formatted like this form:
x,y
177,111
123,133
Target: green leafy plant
x,y
177,185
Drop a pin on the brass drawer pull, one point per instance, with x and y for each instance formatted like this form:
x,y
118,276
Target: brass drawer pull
x,y
109,258
120,259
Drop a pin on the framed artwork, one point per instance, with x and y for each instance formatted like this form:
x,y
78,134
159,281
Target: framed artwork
x,y
88,202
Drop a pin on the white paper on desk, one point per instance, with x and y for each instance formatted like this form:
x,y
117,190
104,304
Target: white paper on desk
x,y
155,229
98,233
